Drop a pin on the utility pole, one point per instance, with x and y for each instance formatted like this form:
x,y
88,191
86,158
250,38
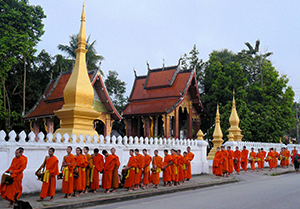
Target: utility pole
x,y
297,123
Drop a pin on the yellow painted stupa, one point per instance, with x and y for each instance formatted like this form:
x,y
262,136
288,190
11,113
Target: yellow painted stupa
x,y
234,123
217,141
77,114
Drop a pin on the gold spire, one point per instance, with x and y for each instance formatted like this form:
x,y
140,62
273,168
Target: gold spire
x,y
234,123
77,114
217,141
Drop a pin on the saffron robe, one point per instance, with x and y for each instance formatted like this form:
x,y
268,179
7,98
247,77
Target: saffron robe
x,y
115,177
187,164
217,163
190,156
237,155
167,173
271,159
98,165
68,179
263,159
244,159
287,155
259,158
230,161
174,168
108,171
129,180
225,161
81,163
281,159
49,180
17,167
276,159
157,164
88,169
180,167
139,167
253,157
147,177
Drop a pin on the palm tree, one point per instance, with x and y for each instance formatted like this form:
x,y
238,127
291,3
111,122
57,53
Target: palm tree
x,y
92,59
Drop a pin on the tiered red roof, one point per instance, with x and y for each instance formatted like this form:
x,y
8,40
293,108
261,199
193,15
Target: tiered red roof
x,y
162,90
53,98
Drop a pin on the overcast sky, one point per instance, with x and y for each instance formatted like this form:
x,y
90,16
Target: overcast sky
x,y
130,32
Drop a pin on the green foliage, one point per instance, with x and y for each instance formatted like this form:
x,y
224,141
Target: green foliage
x,y
263,99
92,59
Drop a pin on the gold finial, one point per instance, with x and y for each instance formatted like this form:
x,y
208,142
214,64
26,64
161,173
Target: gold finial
x,y
82,34
217,132
200,135
233,100
163,62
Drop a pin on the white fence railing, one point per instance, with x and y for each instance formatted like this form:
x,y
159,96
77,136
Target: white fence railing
x,y
36,148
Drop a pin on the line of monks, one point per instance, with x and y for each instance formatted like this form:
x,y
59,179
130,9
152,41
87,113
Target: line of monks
x,y
80,172
226,160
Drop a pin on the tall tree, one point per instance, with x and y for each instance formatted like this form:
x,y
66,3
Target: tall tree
x,y
92,59
20,30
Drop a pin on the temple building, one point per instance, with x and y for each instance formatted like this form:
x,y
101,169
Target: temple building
x,y
164,103
77,101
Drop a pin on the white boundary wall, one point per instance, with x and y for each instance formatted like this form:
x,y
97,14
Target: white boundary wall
x,y
258,145
36,151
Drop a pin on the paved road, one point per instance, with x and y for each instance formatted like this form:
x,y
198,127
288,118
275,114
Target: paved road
x,y
254,191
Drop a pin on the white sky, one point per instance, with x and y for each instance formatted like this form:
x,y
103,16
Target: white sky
x,y
130,32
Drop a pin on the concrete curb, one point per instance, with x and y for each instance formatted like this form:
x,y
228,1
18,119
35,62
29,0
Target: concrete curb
x,y
135,196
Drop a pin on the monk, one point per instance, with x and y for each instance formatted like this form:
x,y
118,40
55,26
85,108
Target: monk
x,y
156,169
230,160
186,164
252,159
15,170
190,156
180,167
287,155
259,157
244,159
98,166
131,166
49,180
139,169
68,165
281,157
237,158
146,169
276,158
79,182
88,168
217,163
109,166
270,158
167,171
115,177
224,161
264,153
293,152
174,167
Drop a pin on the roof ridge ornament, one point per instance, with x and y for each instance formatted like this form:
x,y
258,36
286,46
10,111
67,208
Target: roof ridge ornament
x,y
134,72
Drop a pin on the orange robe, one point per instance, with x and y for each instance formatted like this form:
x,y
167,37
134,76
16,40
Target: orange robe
x,y
190,156
167,173
276,159
271,159
115,177
49,180
281,159
287,155
225,161
147,161
180,168
109,166
264,153
81,163
217,164
68,179
186,165
88,169
157,163
129,180
244,159
174,168
17,167
98,165
253,157
139,167
237,155
230,161
259,157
